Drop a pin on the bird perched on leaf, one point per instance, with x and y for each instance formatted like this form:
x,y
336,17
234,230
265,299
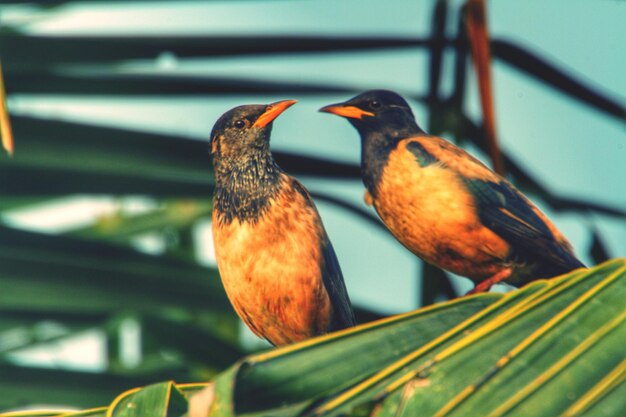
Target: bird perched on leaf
x,y
277,264
446,206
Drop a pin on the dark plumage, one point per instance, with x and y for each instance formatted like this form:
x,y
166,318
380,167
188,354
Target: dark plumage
x,y
277,264
446,206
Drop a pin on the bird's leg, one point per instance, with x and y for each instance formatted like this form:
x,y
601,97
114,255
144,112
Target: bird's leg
x,y
484,286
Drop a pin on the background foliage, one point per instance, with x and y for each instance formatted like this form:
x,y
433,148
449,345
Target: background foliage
x,y
163,315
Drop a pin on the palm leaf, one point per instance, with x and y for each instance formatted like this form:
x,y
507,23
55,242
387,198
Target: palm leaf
x,y
477,367
90,277
28,52
552,348
36,50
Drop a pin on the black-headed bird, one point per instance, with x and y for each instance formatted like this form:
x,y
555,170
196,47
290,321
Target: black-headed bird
x,y
276,262
444,205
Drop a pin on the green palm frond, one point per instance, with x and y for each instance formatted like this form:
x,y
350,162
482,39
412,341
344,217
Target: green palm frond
x,y
552,348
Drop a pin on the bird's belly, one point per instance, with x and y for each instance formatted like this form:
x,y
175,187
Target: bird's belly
x,y
429,211
271,272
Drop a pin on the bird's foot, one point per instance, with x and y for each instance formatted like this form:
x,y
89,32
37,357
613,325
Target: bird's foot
x,y
485,285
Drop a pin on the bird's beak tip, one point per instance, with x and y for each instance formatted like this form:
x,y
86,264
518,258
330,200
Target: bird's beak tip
x,y
272,111
328,109
282,104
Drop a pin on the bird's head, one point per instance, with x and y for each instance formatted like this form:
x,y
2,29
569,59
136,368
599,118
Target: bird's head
x,y
245,130
377,111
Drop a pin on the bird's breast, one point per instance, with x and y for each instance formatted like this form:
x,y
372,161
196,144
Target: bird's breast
x,y
271,269
429,210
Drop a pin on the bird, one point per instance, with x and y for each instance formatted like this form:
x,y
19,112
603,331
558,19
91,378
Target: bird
x,y
276,262
446,206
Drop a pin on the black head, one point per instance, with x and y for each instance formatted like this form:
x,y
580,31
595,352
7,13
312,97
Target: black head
x,y
383,119
380,111
245,130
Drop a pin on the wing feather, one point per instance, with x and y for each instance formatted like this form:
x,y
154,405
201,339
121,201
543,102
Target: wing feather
x,y
343,316
501,207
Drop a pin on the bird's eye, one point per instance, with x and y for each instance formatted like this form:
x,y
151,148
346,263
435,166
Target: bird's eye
x,y
239,124
375,104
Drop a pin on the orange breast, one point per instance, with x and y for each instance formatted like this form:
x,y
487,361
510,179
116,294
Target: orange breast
x,y
271,270
430,212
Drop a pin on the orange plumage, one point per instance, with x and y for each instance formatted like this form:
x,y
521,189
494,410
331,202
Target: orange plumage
x,y
446,206
271,269
435,217
275,260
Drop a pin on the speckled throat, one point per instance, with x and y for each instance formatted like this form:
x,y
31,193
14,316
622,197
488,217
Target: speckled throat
x,y
243,190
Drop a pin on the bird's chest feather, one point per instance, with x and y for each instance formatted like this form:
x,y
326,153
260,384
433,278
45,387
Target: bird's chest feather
x,y
271,269
431,212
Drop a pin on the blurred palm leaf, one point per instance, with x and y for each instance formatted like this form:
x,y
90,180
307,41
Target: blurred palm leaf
x,y
90,277
31,50
533,65
148,84
19,50
122,227
552,348
77,284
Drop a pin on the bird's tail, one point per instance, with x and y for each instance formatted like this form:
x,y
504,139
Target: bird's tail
x,y
546,270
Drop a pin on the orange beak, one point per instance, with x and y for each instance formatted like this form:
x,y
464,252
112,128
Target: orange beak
x,y
346,111
273,111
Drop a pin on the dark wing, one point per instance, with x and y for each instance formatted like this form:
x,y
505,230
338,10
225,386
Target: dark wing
x,y
422,156
504,210
343,316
